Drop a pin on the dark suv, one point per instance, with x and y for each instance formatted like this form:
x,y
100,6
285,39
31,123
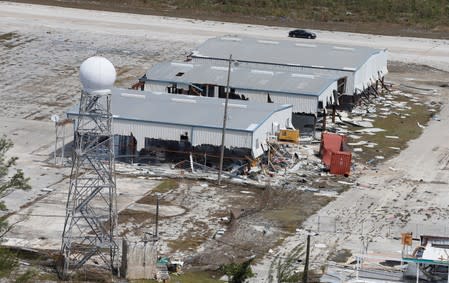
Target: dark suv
x,y
302,34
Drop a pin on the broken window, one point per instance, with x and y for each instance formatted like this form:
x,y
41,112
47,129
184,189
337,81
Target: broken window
x,y
185,137
341,85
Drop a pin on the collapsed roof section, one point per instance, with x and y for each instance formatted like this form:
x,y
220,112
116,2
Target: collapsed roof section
x,y
163,116
303,91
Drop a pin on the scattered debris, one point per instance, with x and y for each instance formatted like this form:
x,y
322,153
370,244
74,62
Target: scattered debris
x,y
436,117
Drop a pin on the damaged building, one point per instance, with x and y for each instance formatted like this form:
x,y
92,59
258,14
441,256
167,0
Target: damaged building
x,y
356,68
146,122
308,93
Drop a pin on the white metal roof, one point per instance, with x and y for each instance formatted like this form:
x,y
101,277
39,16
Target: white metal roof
x,y
200,112
241,77
292,52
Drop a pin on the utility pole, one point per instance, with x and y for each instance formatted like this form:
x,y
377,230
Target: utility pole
x,y
156,234
306,265
223,131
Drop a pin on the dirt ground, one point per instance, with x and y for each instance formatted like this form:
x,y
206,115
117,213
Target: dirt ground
x,y
403,194
40,77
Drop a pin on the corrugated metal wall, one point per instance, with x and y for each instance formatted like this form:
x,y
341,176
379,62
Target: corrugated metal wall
x,y
282,118
374,68
301,104
156,87
197,135
142,130
213,136
327,96
350,81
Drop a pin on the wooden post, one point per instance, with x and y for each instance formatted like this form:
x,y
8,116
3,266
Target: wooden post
x,y
333,113
324,119
305,274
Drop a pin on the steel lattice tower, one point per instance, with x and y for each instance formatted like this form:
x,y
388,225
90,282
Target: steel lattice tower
x,y
91,211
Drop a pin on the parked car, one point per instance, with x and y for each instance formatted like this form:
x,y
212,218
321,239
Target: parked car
x,y
302,34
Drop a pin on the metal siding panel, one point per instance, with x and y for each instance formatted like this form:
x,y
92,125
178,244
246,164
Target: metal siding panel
x,y
148,130
265,130
301,104
206,136
328,95
213,137
156,87
254,95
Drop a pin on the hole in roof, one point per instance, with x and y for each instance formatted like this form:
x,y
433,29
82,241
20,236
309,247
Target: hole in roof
x,y
180,74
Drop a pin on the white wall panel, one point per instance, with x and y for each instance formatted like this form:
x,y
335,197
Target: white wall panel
x,y
282,117
213,137
148,130
156,87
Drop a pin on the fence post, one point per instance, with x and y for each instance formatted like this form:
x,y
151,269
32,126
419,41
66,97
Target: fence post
x,y
318,224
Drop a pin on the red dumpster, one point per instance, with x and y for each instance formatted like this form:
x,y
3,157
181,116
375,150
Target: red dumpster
x,y
330,142
340,163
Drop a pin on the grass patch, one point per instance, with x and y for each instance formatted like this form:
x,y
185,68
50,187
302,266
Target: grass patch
x,y
294,209
128,215
189,277
8,262
28,276
405,128
186,244
164,187
193,277
193,238
341,256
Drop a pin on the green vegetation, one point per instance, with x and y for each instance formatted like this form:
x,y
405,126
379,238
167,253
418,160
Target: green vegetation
x,y
286,269
238,272
424,14
8,182
196,235
341,256
28,276
290,213
8,262
428,18
405,129
165,186
189,277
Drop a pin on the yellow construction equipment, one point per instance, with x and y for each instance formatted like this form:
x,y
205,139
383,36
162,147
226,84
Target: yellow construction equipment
x,y
289,135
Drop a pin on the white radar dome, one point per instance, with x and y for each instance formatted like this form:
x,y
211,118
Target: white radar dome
x,y
97,75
